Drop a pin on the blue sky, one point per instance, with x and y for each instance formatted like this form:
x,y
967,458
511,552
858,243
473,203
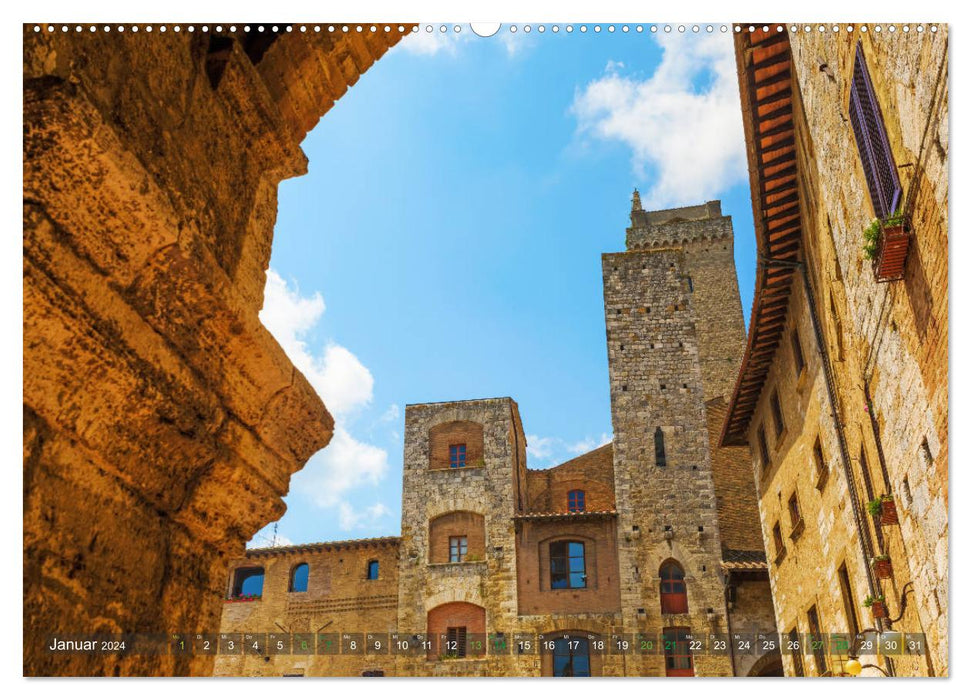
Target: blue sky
x,y
446,242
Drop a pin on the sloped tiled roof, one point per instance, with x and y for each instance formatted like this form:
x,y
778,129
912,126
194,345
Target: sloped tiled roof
x,y
324,546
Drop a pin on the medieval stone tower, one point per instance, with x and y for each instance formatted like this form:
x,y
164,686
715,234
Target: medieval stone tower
x,y
675,335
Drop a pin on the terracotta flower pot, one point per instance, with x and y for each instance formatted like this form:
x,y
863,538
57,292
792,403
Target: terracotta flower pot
x,y
883,568
888,513
891,257
879,609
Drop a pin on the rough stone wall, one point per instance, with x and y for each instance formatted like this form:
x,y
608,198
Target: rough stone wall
x,y
897,333
488,490
805,572
707,240
161,420
656,380
593,473
339,598
752,613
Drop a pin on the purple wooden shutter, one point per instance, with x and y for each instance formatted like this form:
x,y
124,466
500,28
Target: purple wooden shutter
x,y
872,142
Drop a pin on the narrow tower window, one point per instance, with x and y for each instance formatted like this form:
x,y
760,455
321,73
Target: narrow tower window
x,y
674,591
660,459
372,570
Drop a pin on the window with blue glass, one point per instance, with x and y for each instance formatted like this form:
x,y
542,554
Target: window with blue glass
x,y
248,582
571,657
372,570
456,456
576,501
299,578
568,567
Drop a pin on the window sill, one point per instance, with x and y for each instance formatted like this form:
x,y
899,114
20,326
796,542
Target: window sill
x,y
469,468
780,557
821,478
457,563
797,530
802,379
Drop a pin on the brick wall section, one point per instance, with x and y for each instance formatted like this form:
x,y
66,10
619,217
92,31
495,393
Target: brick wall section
x,y
735,496
457,524
162,422
442,437
602,592
593,473
440,618
339,598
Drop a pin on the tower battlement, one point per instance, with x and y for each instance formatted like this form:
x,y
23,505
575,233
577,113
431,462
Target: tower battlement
x,y
679,226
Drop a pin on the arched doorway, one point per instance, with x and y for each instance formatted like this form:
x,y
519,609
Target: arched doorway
x,y
769,666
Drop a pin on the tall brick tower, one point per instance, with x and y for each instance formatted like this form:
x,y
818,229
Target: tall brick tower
x,y
675,335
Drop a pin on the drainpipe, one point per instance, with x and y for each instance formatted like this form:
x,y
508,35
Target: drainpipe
x,y
834,405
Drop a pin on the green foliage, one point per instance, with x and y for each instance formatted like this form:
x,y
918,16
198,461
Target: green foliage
x,y
870,600
873,232
874,506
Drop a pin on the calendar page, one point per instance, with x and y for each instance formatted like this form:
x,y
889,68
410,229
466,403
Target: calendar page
x,y
514,349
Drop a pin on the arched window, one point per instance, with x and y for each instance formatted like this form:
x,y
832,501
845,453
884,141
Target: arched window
x,y
674,592
372,570
659,457
299,577
568,567
576,501
571,657
248,582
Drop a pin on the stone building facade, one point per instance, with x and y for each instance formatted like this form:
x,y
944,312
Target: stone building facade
x,y
842,396
161,420
586,568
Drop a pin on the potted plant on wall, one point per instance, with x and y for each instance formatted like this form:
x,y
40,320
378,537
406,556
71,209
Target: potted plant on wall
x,y
882,566
877,604
886,243
884,508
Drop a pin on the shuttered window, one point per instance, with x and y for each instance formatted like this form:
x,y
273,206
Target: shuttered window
x,y
871,141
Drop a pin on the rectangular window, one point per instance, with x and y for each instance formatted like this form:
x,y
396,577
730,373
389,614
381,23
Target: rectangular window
x,y
798,669
455,642
871,141
456,456
848,606
567,565
794,515
797,355
780,425
780,545
822,470
815,642
677,651
763,449
372,570
458,547
576,501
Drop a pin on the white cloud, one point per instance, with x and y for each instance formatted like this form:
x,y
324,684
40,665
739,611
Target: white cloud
x,y
392,414
338,376
344,465
539,447
344,384
426,43
550,451
683,124
352,519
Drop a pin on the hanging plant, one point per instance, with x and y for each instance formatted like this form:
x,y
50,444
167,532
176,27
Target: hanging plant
x,y
882,566
877,604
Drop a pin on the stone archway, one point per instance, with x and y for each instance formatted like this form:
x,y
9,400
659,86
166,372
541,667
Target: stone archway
x,y
162,422
767,666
